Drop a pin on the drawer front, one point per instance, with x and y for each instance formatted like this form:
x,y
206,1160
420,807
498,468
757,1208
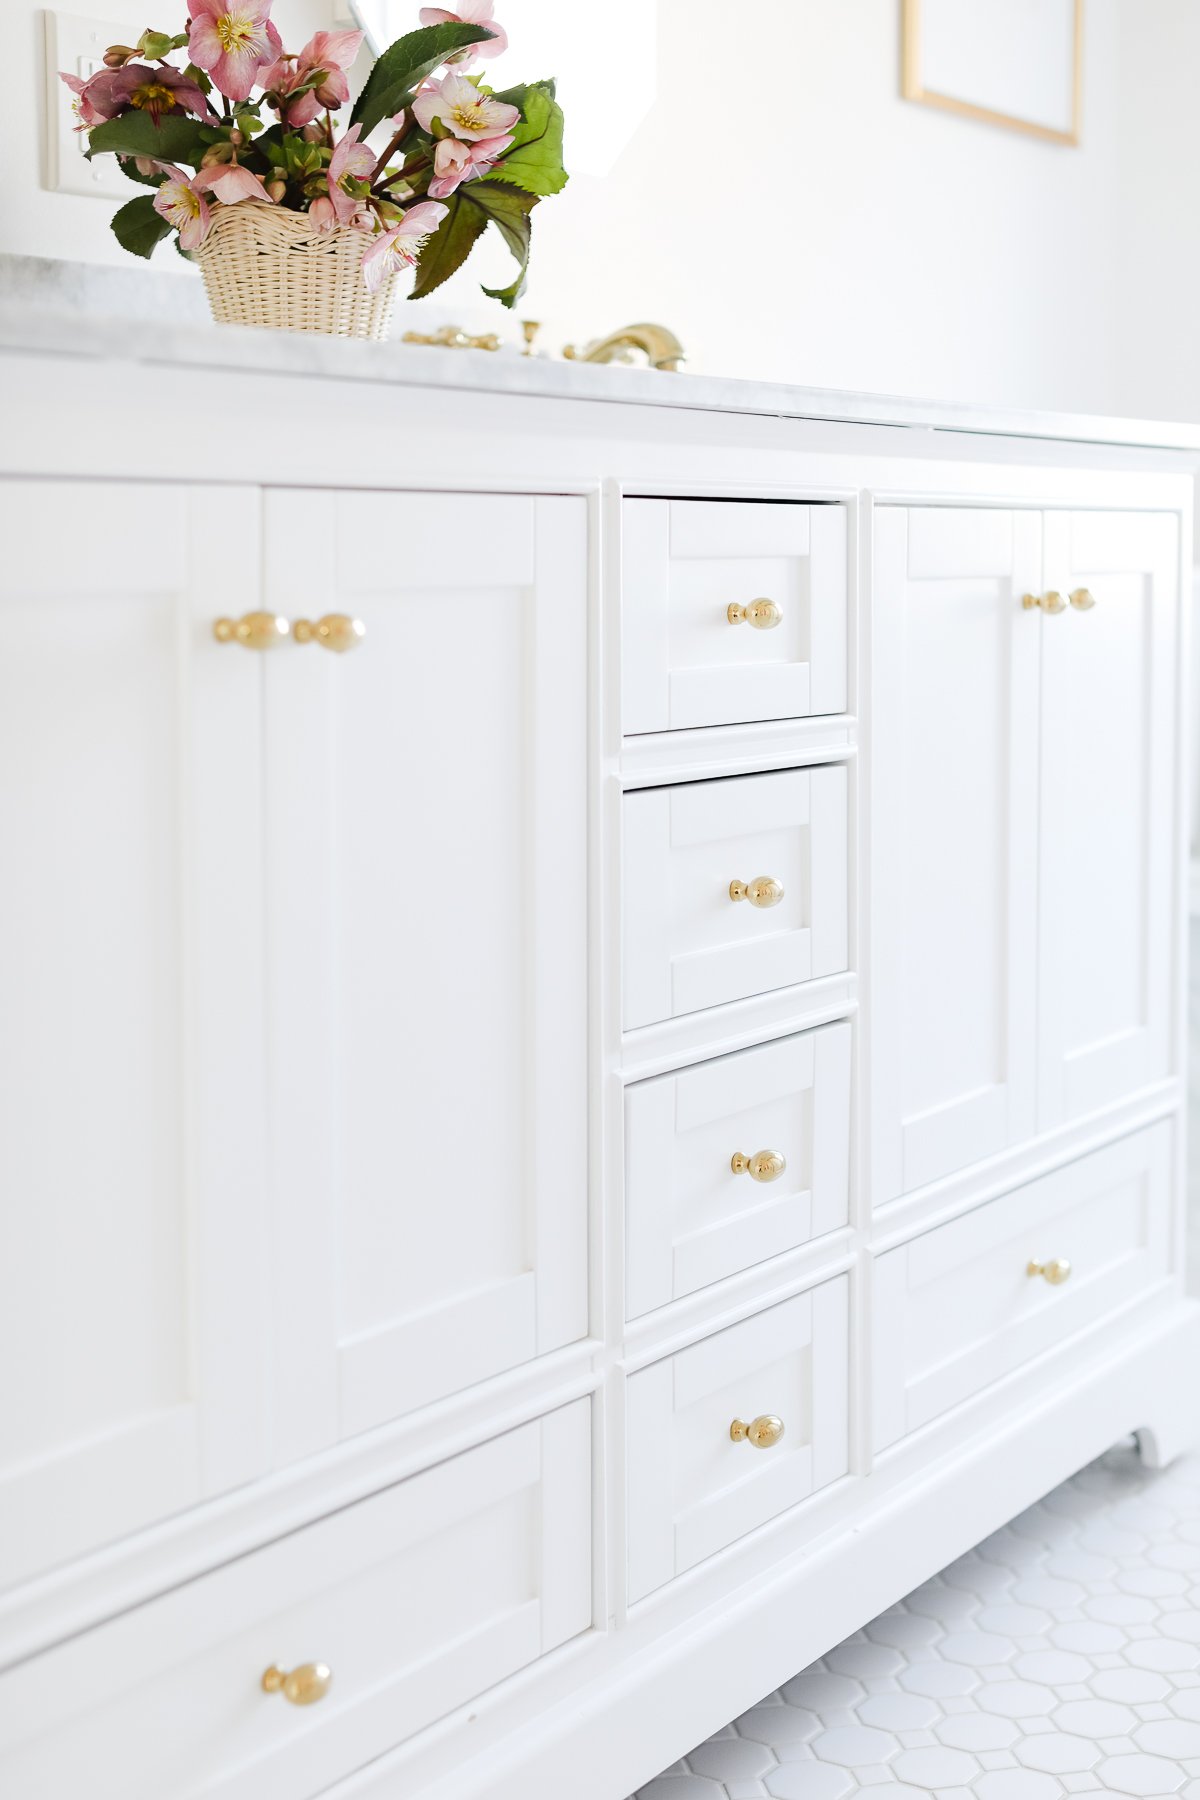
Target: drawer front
x,y
693,1489
957,1308
688,944
684,564
691,1216
418,1599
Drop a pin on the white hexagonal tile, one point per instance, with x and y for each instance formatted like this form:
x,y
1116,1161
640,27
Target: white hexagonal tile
x,y
1163,1654
1179,1738
1089,1637
1120,1609
779,1725
865,1660
851,1745
1016,1699
903,1630
1053,1668
1017,1784
935,1767
1185,1704
1095,1718
808,1781
732,1759
822,1693
681,1787
1151,1777
976,1731
899,1712
1131,1685
938,1678
1057,1752
982,1649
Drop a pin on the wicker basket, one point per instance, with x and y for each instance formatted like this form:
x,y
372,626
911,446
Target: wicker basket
x,y
265,265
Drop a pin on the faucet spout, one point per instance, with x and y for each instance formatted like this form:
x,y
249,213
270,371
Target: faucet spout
x,y
661,348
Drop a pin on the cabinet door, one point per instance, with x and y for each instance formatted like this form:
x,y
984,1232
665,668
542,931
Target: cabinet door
x,y
1109,787
426,868
954,839
131,1082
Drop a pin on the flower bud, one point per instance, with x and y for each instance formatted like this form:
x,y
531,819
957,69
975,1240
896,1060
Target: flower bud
x,y
314,132
237,137
277,188
216,153
117,55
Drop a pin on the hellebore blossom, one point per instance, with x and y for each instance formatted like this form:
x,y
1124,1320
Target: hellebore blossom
x,y
455,162
231,40
399,247
228,183
180,202
462,109
470,12
157,91
350,160
332,53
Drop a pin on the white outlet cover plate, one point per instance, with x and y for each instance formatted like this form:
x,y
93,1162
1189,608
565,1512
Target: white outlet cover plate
x,y
77,45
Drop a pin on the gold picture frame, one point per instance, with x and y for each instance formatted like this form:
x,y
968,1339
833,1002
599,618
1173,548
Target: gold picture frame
x,y
913,87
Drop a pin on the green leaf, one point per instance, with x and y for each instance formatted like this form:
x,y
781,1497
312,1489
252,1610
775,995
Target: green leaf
x,y
138,227
449,246
535,161
174,140
130,170
508,209
405,65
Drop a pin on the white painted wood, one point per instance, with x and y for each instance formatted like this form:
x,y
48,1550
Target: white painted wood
x,y
131,1144
955,1309
427,864
417,1598
954,843
690,1220
687,945
684,562
692,1490
1110,773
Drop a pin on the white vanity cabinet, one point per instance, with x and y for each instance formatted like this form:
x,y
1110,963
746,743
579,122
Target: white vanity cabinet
x,y
590,1046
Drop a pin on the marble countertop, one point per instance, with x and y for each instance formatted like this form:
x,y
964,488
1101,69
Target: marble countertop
x,y
154,319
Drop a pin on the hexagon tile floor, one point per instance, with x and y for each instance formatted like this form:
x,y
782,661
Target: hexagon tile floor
x,y
1060,1658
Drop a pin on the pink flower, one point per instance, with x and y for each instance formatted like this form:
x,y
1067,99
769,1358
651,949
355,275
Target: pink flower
x,y
455,162
331,51
157,91
350,161
91,104
182,205
228,183
462,109
400,247
232,39
470,12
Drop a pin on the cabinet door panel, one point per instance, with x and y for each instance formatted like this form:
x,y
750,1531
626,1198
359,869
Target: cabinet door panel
x,y
1108,801
131,1147
427,862
954,836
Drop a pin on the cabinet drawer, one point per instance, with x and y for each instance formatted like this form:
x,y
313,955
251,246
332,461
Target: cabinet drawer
x,y
693,1489
418,1599
684,564
957,1308
691,1217
688,943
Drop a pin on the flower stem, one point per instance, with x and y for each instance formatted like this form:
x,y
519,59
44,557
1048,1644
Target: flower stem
x,y
391,149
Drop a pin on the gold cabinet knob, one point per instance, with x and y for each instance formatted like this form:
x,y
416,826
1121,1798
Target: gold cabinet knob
x,y
1082,599
254,630
1051,602
764,890
764,615
303,1686
764,1165
763,1432
1056,1271
335,631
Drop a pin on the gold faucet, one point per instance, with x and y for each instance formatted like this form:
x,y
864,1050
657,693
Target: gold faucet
x,y
662,349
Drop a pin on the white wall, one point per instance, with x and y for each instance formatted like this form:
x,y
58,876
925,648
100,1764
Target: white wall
x,y
790,216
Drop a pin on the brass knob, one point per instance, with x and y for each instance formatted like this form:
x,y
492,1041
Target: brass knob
x,y
255,630
1055,1272
763,1432
303,1686
333,632
764,890
1051,602
764,615
1082,599
764,1165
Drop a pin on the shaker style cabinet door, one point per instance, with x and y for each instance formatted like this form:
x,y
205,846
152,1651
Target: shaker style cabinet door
x,y
1109,791
954,839
131,1079
427,904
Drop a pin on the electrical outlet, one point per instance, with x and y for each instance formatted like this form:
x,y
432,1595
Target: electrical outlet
x,y
77,45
